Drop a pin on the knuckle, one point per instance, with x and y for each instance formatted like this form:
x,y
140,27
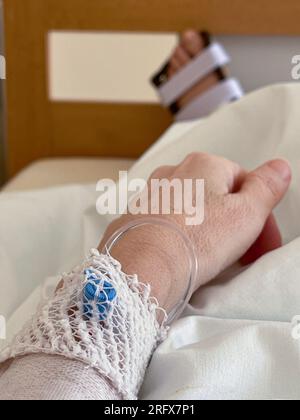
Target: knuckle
x,y
197,156
273,187
177,51
267,184
173,60
160,172
210,159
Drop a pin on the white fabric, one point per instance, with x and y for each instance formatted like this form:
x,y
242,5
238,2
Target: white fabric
x,y
43,377
65,171
224,92
235,341
206,62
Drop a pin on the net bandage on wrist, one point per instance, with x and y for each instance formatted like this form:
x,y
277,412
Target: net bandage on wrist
x,y
100,316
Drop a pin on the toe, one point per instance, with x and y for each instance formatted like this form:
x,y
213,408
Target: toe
x,y
175,63
174,66
192,42
171,71
179,59
182,56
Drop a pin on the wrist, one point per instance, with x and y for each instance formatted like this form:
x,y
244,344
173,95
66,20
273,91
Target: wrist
x,y
157,255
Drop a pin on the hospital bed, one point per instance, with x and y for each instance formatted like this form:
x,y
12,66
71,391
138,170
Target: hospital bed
x,y
235,341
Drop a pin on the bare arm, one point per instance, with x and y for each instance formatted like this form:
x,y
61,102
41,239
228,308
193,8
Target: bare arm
x,y
237,208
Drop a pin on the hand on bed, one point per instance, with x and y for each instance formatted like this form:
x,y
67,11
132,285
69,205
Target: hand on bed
x,y
238,222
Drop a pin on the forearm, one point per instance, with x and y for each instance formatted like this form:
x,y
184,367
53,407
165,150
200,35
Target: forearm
x,y
160,259
65,354
52,368
46,377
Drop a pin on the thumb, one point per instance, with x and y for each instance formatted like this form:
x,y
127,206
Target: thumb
x,y
265,187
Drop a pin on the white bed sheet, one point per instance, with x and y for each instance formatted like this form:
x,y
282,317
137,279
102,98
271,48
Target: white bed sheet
x,y
66,171
235,340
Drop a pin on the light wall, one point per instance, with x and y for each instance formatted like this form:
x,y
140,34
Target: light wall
x,y
116,67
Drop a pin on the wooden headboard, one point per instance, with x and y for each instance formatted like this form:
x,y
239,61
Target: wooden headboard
x,y
38,128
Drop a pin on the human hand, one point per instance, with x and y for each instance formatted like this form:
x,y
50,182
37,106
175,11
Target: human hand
x,y
238,208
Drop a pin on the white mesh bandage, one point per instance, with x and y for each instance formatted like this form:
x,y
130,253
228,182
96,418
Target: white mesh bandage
x,y
101,317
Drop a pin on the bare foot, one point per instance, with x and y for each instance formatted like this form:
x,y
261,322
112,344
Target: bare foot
x,y
191,45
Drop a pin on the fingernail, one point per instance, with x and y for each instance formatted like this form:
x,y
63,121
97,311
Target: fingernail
x,y
283,169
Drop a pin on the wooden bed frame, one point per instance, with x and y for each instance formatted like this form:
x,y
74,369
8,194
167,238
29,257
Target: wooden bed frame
x,y
38,128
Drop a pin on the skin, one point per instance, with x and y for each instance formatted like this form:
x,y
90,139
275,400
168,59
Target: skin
x,y
190,45
238,208
238,223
